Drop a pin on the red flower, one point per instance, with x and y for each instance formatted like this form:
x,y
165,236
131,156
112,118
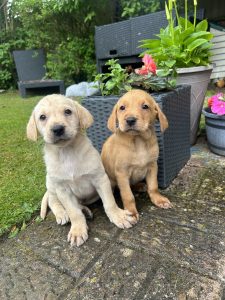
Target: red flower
x,y
210,101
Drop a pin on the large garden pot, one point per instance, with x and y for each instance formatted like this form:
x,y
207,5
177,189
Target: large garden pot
x,y
174,143
198,78
215,131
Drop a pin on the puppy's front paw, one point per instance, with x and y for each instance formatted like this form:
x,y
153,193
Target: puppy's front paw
x,y
133,210
121,218
61,216
162,202
78,234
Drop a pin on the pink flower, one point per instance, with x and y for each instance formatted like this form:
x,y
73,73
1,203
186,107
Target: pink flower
x,y
142,71
149,66
218,107
220,96
149,63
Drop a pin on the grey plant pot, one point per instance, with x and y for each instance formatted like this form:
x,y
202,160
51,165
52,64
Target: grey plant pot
x,y
174,144
215,131
198,78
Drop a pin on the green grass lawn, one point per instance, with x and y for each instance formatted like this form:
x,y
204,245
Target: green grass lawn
x,y
22,171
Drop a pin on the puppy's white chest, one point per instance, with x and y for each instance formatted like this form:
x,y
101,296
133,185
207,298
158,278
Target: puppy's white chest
x,y
63,166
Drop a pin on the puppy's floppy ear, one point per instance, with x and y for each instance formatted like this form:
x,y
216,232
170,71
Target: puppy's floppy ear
x,y
112,119
162,118
85,117
32,132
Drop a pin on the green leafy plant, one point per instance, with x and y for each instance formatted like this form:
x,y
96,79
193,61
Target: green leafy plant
x,y
115,81
118,80
183,45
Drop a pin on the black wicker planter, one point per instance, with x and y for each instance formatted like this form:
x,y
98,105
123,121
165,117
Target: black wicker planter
x,y
174,144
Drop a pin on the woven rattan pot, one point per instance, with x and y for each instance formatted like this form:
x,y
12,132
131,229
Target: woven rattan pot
x,y
174,144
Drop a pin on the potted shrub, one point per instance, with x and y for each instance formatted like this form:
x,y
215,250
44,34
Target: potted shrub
x,y
174,143
184,48
215,123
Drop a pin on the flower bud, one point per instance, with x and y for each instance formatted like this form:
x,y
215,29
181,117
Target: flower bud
x,y
167,12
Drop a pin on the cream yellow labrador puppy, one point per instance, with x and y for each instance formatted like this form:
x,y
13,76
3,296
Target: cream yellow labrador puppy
x,y
75,173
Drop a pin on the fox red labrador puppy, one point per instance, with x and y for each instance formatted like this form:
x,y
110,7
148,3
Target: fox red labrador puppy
x,y
130,154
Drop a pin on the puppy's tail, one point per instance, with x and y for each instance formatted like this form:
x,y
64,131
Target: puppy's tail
x,y
44,205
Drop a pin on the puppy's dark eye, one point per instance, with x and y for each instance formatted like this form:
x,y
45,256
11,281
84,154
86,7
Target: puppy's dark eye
x,y
122,107
145,106
68,112
42,117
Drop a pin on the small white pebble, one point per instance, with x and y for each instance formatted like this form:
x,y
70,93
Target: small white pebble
x,y
97,240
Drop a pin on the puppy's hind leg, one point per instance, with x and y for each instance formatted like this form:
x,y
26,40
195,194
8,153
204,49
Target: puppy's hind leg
x,y
87,212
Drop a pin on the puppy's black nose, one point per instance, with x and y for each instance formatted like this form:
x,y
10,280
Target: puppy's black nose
x,y
58,130
131,121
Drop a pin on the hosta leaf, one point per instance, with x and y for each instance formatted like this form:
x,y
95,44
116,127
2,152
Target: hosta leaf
x,y
166,40
182,23
202,26
149,43
195,44
201,34
205,46
186,33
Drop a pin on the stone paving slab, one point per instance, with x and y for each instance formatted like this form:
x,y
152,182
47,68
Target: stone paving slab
x,y
170,254
27,277
49,243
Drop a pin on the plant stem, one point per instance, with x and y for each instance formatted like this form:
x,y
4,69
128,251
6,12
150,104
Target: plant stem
x,y
186,15
177,15
171,19
195,12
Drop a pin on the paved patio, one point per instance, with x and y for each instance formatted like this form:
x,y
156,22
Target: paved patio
x,y
169,254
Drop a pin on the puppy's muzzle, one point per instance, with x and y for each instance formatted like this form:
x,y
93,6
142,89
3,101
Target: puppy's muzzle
x,y
131,121
58,130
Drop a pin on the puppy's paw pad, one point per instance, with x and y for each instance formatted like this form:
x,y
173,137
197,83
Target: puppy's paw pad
x,y
77,235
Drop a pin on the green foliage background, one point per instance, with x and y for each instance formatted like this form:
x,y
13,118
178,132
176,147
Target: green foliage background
x,y
64,28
